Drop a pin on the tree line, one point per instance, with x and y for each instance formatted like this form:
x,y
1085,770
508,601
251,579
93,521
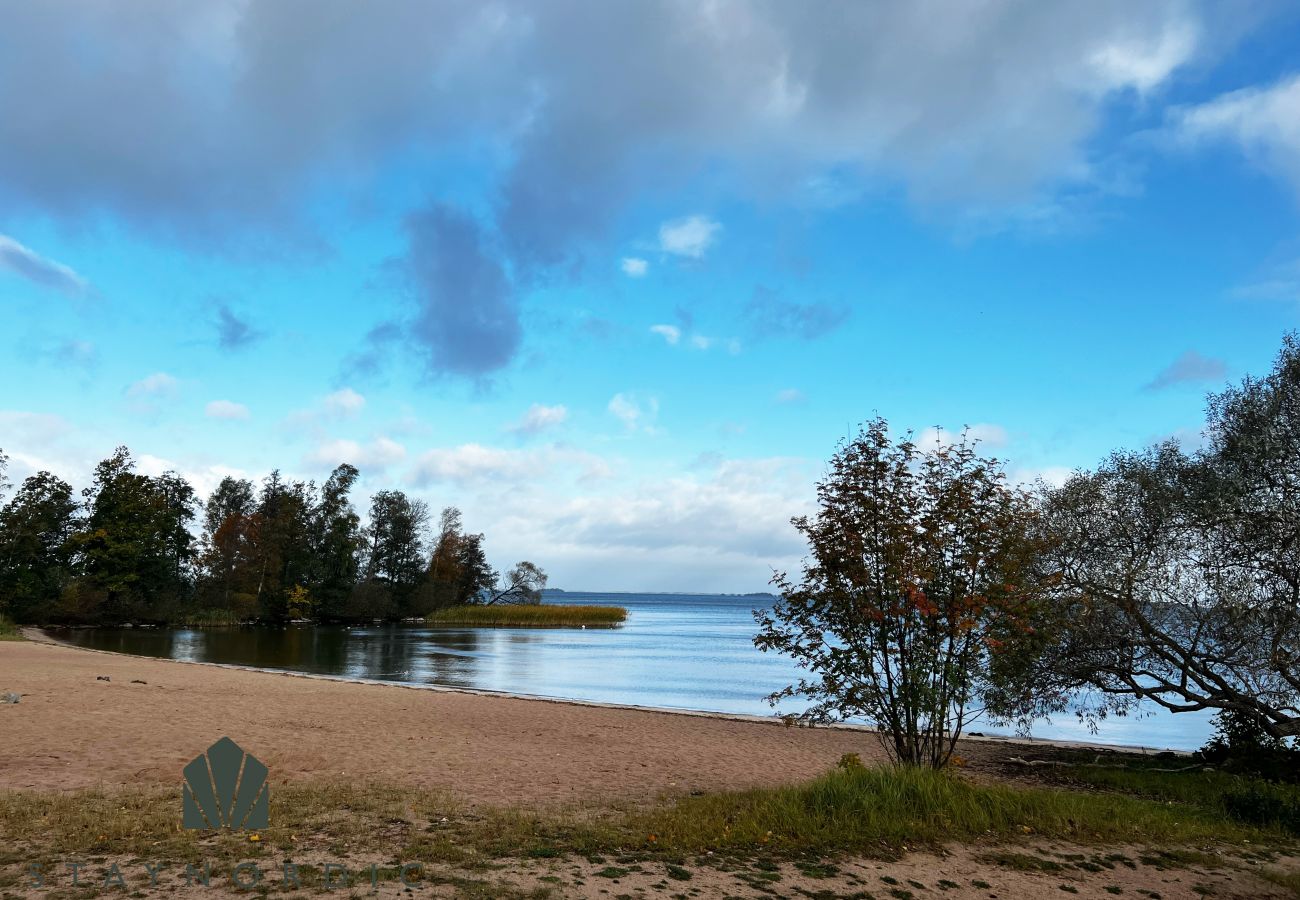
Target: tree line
x,y
145,549
936,592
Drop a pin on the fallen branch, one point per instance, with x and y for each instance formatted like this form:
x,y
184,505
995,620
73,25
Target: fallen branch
x,y
1020,761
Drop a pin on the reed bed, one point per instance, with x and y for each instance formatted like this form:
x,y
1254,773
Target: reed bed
x,y
537,615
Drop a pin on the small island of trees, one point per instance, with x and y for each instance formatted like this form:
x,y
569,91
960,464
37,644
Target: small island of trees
x,y
136,548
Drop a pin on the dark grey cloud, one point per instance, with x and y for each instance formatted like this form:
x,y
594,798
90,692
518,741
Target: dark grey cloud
x,y
27,263
467,318
217,125
769,315
380,343
1189,368
233,333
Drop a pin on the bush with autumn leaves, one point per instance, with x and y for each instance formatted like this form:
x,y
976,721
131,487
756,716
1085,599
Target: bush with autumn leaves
x,y
917,608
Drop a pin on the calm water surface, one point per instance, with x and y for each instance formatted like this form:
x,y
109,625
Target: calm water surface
x,y
684,651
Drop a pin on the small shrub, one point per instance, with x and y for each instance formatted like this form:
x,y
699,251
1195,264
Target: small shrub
x,y
1242,746
1260,803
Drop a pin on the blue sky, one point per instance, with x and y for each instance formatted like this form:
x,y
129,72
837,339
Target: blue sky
x,y
616,279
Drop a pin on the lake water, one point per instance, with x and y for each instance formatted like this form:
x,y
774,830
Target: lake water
x,y
683,651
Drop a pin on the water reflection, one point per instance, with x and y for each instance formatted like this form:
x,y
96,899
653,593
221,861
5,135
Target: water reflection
x,y
680,651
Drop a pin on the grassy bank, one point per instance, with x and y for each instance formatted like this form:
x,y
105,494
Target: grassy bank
x,y
1243,799
541,615
861,811
8,630
811,827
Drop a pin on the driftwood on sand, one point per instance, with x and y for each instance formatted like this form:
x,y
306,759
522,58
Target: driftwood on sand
x,y
1095,764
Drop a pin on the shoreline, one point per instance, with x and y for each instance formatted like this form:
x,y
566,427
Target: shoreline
x,y
39,635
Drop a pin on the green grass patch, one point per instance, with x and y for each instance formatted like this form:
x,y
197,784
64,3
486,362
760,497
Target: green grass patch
x,y
1288,880
8,630
857,809
531,615
1243,799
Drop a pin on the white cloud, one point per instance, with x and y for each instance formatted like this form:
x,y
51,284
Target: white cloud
x,y
475,464
377,454
790,396
153,466
540,417
27,263
633,412
1144,61
690,237
634,267
226,409
670,333
1263,122
344,402
159,384
718,527
742,508
33,428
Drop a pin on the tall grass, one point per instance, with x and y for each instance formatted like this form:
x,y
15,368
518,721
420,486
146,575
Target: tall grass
x,y
207,618
1245,799
541,615
8,630
856,809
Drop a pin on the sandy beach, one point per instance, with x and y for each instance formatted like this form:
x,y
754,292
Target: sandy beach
x,y
72,730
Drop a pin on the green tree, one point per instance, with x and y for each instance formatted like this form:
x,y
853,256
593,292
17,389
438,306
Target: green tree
x,y
396,539
337,543
475,577
282,543
179,506
135,551
35,553
229,563
1184,570
919,580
